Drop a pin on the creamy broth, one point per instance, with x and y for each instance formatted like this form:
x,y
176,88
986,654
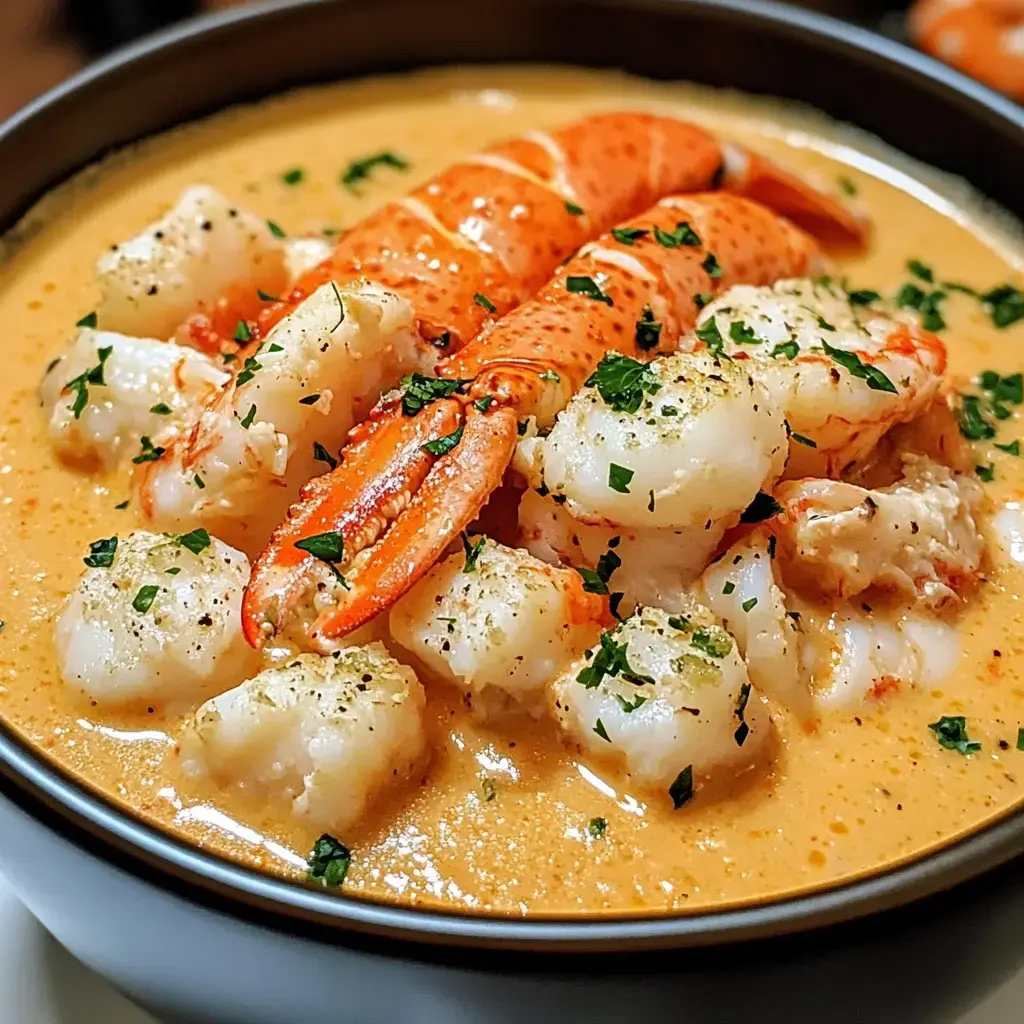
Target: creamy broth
x,y
870,787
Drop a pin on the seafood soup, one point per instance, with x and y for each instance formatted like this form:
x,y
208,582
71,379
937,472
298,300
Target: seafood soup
x,y
520,490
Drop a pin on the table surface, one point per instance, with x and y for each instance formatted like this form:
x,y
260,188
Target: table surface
x,y
41,983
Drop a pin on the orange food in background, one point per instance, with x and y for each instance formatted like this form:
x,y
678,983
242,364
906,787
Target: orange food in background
x,y
982,38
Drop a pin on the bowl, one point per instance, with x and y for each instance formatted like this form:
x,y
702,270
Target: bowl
x,y
202,939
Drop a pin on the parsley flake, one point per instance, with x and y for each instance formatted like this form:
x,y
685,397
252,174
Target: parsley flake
x,y
266,296
749,605
161,409
484,302
309,400
473,551
683,235
921,270
619,478
597,827
294,176
863,297
973,424
101,553
790,349
763,507
360,170
149,452
627,236
321,454
329,862
483,404
622,382
443,445
573,208
876,380
195,541
712,337
951,732
1005,305
419,390
800,439
682,789
275,229
80,385
711,640
90,320
712,267
328,548
144,599
601,731
589,287
246,423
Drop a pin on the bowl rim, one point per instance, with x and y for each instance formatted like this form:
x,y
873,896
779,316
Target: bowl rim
x,y
96,824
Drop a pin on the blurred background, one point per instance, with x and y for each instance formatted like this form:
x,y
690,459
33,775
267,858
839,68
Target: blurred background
x,y
43,41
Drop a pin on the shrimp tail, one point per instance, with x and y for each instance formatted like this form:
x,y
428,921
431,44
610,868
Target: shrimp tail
x,y
820,214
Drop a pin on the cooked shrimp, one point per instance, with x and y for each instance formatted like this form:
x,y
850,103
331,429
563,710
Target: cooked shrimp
x,y
328,733
202,250
743,589
982,38
854,653
109,391
842,374
155,618
690,439
283,417
918,538
642,566
628,290
666,694
498,623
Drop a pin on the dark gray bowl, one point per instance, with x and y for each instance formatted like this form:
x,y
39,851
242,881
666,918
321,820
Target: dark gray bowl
x,y
207,940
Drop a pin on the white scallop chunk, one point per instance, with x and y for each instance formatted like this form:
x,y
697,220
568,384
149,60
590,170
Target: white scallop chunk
x,y
305,254
155,619
110,390
329,733
184,262
696,443
647,566
501,630
661,693
742,589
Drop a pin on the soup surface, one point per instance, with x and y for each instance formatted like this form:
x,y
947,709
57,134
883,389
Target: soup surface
x,y
501,819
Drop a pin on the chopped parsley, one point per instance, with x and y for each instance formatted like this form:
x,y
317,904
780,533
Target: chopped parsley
x,y
121,506
1013,448
199,482
1020,739
149,452
490,791
483,404
596,581
309,400
847,186
629,706
589,287
701,299
443,445
682,789
195,541
294,176
627,236
743,730
951,732
473,551
763,507
863,297
573,208
985,473
249,370
549,375
790,349
619,478
910,296
712,337
360,170
80,385
90,320
275,229
246,423
144,599
711,640
266,296
101,553
622,382
1005,305
679,622
728,588
321,454
610,660
742,334
161,409
856,367
597,827
328,548
419,390
800,439
485,303
601,731
973,424
712,267
749,605
921,270
683,235
329,861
